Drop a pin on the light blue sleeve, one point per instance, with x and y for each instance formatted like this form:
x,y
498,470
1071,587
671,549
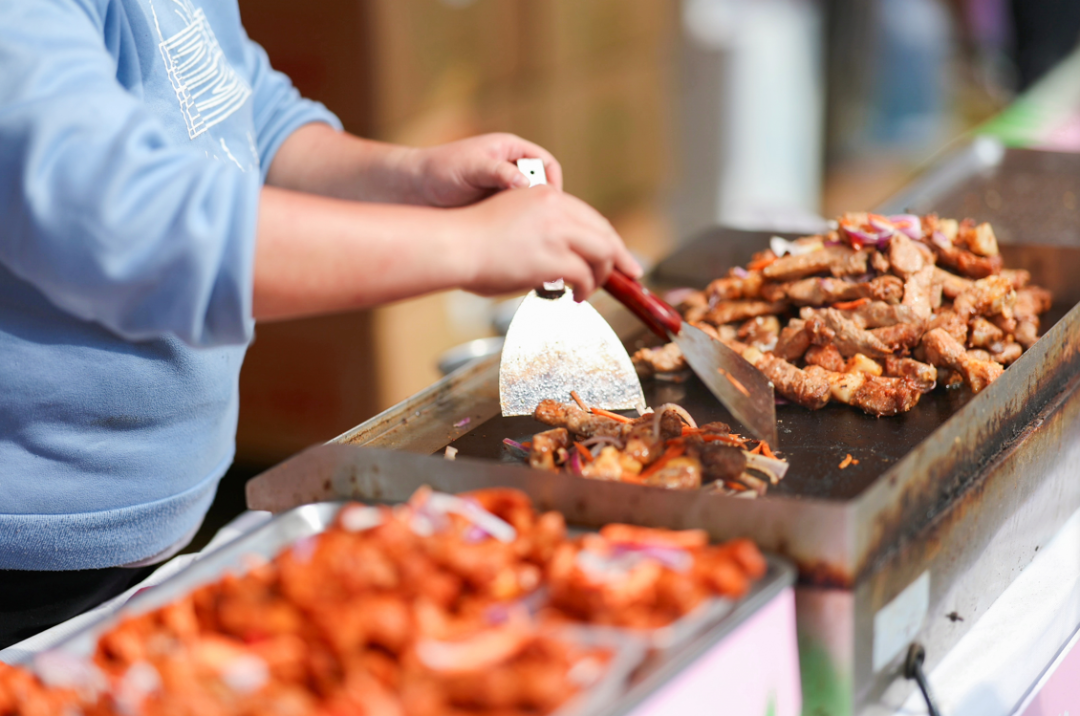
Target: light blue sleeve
x,y
97,210
279,108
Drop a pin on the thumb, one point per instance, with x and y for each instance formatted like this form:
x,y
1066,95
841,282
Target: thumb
x,y
508,176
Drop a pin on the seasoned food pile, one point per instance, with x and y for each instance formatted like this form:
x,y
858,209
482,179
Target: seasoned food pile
x,y
445,605
663,448
873,314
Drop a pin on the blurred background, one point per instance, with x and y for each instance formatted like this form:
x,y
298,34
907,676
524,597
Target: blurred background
x,y
667,115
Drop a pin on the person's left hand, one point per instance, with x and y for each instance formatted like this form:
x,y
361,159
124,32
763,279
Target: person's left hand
x,y
466,171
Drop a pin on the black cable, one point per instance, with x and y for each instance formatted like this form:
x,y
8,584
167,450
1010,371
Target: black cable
x,y
913,669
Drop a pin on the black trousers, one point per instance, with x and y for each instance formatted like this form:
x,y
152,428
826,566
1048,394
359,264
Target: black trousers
x,y
31,602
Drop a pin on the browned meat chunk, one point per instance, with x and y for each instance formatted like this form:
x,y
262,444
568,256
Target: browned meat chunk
x,y
774,292
917,292
905,257
718,461
761,332
979,240
793,341
951,284
732,311
796,385
838,260
1019,278
828,325
1031,301
923,374
734,288
681,473
900,337
661,359
879,262
984,333
827,356
945,351
877,314
1005,352
546,447
576,420
873,395
966,263
1027,332
987,297
952,322
819,291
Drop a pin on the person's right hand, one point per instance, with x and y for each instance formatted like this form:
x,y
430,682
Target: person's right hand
x,y
520,238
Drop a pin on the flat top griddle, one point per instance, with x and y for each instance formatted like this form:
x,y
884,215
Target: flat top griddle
x,y
814,442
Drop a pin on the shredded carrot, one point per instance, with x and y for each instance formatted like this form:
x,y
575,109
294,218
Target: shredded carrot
x,y
579,401
584,452
726,439
854,462
846,461
608,414
736,486
631,478
738,386
757,450
851,305
766,450
759,264
527,445
670,454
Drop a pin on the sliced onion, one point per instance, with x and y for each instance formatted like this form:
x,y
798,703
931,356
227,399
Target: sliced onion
x,y
602,440
450,452
940,240
740,272
781,246
772,467
908,224
514,444
574,462
671,557
677,295
442,503
687,418
462,423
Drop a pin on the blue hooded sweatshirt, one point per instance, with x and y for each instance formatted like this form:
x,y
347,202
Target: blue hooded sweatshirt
x,y
134,138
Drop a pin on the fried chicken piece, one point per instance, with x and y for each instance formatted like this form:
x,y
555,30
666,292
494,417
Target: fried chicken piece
x,y
733,311
761,332
859,363
1019,278
546,447
1031,301
818,291
879,262
967,263
838,260
917,292
1027,332
826,356
878,314
984,333
734,288
923,374
576,420
951,284
1005,352
694,306
943,350
828,325
873,395
900,337
793,341
951,322
905,257
989,296
796,385
660,359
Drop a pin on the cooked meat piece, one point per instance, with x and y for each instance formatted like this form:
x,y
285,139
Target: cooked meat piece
x,y
989,296
978,354
984,333
1027,332
1005,352
979,240
718,461
794,384
966,263
905,257
874,395
793,341
546,446
1018,277
859,363
923,374
761,332
733,288
774,292
1008,325
661,359
879,262
951,284
818,291
576,420
610,464
828,325
943,350
1031,301
838,260
877,314
900,337
952,322
917,292
826,356
680,473
733,311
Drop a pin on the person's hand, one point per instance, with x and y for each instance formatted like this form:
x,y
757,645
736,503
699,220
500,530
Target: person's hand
x,y
464,172
521,238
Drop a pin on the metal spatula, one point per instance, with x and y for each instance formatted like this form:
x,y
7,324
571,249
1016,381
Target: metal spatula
x,y
555,345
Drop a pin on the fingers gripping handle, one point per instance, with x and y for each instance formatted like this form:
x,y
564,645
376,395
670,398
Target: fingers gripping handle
x,y
661,318
534,171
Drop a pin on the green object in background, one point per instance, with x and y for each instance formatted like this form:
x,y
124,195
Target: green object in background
x,y
824,691
1030,119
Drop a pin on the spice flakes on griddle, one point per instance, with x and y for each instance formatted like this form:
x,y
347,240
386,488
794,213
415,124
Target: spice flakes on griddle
x,y
873,314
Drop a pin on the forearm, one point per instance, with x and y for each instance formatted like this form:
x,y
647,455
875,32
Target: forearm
x,y
318,255
317,159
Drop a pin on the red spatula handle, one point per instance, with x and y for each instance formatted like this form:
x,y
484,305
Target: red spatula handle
x,y
661,318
